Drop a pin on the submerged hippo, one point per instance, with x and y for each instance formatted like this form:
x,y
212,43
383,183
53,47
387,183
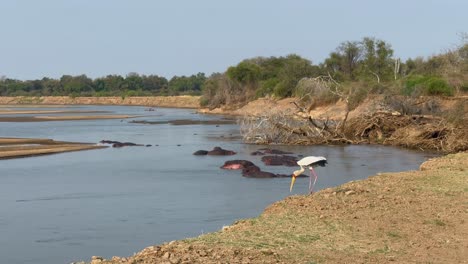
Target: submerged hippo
x,y
237,164
274,151
221,152
125,144
104,141
216,151
250,170
282,160
200,152
257,153
118,144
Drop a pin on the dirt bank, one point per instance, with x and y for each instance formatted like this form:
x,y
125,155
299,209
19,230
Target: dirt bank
x,y
24,147
159,101
408,217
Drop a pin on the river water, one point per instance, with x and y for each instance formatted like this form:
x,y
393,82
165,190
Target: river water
x,y
67,207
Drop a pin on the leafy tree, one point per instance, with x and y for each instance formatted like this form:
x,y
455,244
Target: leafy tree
x,y
350,53
245,72
377,58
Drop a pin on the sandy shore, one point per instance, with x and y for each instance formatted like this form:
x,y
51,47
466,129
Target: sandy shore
x,y
62,118
27,112
25,147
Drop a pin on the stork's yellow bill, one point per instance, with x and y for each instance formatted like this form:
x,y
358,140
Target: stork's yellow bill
x,y
293,180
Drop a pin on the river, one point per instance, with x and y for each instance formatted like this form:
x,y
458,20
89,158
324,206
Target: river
x,y
67,207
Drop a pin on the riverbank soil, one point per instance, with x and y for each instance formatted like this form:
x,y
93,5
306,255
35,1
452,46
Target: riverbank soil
x,y
408,217
25,147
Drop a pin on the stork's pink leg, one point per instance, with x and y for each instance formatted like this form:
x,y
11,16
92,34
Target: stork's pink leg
x,y
310,180
311,186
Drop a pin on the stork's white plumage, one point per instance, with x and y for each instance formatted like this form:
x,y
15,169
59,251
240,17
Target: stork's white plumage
x,y
311,162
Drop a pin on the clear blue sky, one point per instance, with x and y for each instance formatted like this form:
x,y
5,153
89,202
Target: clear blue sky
x,y
174,37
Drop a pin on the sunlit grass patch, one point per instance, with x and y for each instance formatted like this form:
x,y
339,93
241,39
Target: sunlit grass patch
x,y
436,222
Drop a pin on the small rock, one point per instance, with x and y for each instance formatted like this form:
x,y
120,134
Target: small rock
x,y
267,251
321,216
174,260
350,192
96,259
166,255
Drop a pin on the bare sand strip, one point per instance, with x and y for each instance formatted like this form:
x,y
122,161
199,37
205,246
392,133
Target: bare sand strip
x,y
182,101
25,147
3,105
25,112
61,118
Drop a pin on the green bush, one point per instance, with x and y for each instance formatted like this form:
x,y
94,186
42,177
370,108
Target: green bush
x,y
282,90
266,87
437,86
464,87
204,101
427,85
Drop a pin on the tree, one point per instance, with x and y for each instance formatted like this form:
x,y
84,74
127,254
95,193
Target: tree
x,y
246,73
350,53
295,68
377,58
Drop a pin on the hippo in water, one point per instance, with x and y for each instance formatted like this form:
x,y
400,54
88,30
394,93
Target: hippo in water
x,y
274,151
104,141
221,152
216,151
118,144
283,160
237,164
250,170
125,144
200,152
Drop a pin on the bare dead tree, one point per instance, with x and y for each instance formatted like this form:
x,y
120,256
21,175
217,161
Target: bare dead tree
x,y
396,69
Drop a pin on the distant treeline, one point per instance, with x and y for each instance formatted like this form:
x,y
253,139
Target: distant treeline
x,y
112,85
360,67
